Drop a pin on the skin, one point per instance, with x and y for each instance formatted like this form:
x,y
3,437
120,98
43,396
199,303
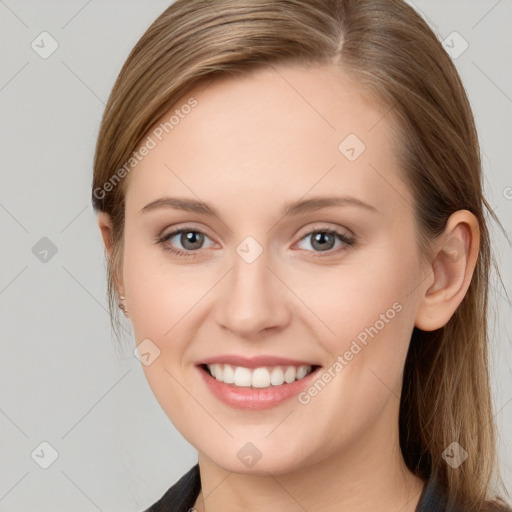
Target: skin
x,y
252,145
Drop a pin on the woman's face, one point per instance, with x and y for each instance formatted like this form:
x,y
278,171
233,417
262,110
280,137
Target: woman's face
x,y
265,279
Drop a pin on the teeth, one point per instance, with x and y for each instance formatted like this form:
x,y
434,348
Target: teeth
x,y
258,377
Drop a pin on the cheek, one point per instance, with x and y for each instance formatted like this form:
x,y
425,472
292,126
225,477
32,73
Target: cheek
x,y
370,318
367,316
348,300
161,299
160,293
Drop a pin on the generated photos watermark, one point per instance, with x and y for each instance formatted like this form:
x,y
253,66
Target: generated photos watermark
x,y
357,345
144,149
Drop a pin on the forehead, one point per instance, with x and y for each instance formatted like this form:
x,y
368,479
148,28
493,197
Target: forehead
x,y
279,131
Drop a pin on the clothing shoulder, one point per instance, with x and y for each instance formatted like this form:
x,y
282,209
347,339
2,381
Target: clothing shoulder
x,y
181,496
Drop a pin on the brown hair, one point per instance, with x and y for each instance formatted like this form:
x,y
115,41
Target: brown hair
x,y
393,53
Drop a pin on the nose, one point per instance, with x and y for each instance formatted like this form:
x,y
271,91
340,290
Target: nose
x,y
253,299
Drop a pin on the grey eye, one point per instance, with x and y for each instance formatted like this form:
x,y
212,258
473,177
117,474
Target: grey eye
x,y
323,240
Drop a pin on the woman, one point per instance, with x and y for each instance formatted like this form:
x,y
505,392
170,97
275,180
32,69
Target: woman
x,y
289,193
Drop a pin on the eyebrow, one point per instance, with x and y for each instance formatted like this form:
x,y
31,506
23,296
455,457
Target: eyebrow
x,y
294,208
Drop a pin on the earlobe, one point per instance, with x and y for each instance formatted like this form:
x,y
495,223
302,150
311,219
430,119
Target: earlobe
x,y
123,306
452,268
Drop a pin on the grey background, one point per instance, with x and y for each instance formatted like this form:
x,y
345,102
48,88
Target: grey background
x,y
62,381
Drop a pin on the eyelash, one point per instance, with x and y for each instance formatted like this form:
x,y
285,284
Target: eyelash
x,y
348,241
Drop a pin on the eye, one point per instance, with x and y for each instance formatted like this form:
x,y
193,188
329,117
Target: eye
x,y
323,240
190,239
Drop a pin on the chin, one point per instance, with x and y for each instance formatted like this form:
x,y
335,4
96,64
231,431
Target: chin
x,y
248,460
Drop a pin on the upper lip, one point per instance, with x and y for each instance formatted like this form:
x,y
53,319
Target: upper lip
x,y
254,362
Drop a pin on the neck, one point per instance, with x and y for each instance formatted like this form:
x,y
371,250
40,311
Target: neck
x,y
369,473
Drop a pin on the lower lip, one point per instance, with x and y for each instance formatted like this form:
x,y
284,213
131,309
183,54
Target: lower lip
x,y
254,398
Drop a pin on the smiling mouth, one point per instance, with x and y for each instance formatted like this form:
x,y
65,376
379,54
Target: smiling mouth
x,y
260,378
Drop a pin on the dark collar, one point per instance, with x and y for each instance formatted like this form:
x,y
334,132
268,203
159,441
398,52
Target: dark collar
x,y
182,495
432,498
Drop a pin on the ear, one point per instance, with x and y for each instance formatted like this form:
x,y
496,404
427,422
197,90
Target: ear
x,y
105,225
451,270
